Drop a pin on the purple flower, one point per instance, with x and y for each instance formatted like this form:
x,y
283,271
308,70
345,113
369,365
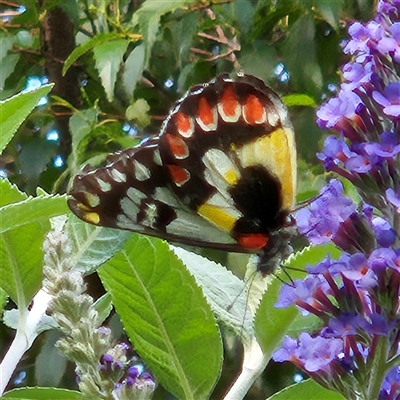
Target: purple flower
x,y
357,296
393,198
302,293
322,220
337,109
384,232
311,354
389,99
391,385
383,258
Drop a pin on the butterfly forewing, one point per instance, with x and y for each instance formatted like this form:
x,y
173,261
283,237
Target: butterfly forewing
x,y
221,173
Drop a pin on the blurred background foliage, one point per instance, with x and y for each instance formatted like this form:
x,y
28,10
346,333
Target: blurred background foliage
x,y
119,66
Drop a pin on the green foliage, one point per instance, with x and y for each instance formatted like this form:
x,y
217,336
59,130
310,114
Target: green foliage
x,y
43,394
307,390
14,111
24,222
164,313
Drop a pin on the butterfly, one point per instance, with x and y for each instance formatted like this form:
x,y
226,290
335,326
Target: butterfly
x,y
220,174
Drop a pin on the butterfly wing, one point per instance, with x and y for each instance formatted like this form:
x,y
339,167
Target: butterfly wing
x,y
132,192
221,173
229,149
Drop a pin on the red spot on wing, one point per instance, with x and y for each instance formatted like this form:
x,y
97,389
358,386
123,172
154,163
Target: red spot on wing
x,y
177,146
178,174
229,102
253,110
184,124
254,241
206,112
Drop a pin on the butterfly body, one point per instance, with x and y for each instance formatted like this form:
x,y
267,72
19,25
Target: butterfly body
x,y
221,173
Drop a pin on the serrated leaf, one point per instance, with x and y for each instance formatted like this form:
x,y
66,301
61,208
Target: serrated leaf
x,y
31,210
225,292
309,390
37,393
311,255
10,193
133,69
14,111
92,245
21,250
87,46
108,58
166,316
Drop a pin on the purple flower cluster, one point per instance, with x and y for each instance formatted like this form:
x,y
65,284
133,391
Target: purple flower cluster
x,y
357,349
131,379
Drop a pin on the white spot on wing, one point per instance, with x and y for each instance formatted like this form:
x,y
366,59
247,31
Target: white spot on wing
x,y
117,176
135,195
104,186
273,118
219,164
129,208
157,157
164,195
141,172
92,199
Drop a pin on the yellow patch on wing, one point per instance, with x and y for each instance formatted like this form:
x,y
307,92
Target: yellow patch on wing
x,y
218,216
231,176
275,151
92,218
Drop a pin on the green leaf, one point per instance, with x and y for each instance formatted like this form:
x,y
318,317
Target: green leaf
x,y
7,67
92,245
81,124
224,291
148,16
330,11
133,69
89,45
108,58
138,111
31,210
3,301
14,111
166,316
103,307
299,100
21,248
273,323
10,193
309,390
311,255
37,393
303,65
